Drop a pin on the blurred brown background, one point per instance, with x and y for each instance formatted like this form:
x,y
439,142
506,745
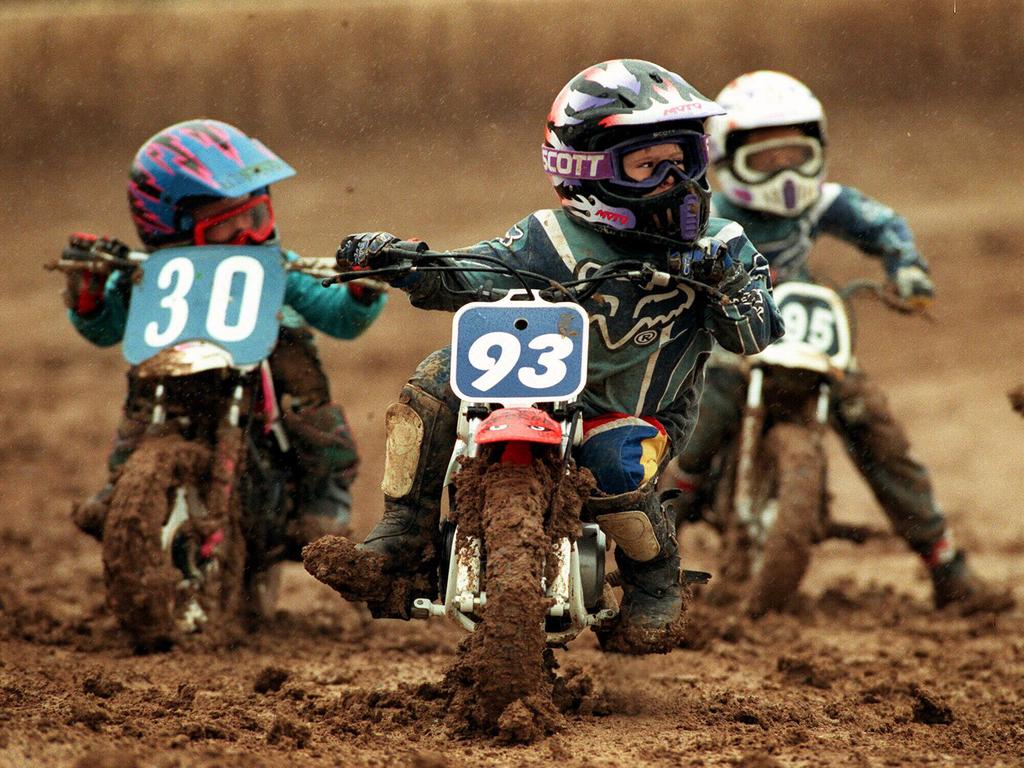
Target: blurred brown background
x,y
425,117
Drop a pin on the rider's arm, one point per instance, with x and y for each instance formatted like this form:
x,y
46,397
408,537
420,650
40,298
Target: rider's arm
x,y
874,228
332,310
750,321
106,327
519,247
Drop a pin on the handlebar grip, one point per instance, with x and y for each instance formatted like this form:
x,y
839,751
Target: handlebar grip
x,y
407,249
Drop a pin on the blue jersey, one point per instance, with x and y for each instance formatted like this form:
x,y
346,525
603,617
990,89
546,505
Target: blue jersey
x,y
332,311
841,211
648,346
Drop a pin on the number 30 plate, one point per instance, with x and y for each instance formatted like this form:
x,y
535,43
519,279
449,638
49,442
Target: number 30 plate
x,y
519,351
227,295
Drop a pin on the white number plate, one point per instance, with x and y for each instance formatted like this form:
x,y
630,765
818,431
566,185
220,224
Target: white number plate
x,y
227,295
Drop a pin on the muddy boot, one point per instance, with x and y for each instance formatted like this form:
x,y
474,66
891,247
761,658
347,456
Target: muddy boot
x,y
957,586
90,515
397,562
650,616
406,535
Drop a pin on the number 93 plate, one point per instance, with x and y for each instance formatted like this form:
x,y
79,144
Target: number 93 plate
x,y
226,295
519,351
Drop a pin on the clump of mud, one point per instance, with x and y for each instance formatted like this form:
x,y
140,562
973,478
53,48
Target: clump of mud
x,y
362,576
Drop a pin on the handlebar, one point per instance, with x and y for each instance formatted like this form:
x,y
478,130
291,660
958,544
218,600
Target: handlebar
x,y
101,259
883,292
412,257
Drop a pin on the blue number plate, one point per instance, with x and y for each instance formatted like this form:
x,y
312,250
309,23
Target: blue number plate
x,y
226,295
519,351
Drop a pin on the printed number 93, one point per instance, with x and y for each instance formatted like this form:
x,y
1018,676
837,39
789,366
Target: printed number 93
x,y
497,368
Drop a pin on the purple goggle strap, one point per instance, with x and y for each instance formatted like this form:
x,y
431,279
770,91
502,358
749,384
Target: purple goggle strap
x,y
596,166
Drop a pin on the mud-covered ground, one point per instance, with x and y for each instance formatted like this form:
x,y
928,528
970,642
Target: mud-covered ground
x,y
859,672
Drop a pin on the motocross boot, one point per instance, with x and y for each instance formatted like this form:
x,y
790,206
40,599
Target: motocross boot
x,y
955,584
680,492
648,558
397,562
420,436
91,515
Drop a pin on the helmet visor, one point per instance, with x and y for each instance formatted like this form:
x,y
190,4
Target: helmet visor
x,y
248,223
641,164
759,161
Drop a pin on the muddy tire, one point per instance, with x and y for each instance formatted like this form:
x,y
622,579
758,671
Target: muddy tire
x,y
792,476
501,684
153,598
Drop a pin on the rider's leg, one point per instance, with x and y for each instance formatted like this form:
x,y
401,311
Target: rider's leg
x,y
625,454
421,431
721,408
320,434
879,447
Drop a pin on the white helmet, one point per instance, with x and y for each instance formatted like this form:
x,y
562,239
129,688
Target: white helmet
x,y
766,99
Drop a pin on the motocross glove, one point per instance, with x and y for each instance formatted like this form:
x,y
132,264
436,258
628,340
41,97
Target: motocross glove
x,y
912,282
84,289
710,263
83,292
365,250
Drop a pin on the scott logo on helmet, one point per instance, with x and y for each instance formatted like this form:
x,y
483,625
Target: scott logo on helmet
x,y
574,165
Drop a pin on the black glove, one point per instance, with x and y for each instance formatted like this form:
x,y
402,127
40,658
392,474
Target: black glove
x,y
365,250
709,262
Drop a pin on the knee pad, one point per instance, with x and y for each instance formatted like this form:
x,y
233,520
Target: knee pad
x,y
634,521
416,428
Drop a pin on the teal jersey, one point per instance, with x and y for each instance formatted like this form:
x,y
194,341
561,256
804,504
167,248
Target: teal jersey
x,y
330,310
648,346
842,212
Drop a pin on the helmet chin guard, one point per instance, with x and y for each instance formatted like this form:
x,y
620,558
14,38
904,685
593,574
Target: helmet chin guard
x,y
786,193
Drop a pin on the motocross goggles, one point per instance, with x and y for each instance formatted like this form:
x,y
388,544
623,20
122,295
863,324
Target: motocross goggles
x,y
759,161
691,164
251,222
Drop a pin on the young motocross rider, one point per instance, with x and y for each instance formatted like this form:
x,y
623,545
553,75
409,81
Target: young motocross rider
x,y
625,149
769,159
204,182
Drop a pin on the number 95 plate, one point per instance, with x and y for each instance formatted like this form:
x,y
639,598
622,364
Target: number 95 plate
x,y
519,351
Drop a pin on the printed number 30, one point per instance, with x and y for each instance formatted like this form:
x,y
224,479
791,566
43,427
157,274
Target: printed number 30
x,y
179,273
497,368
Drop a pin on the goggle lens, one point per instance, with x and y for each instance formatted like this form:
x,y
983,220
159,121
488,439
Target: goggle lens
x,y
249,223
763,159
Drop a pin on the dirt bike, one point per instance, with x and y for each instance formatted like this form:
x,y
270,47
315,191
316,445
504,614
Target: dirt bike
x,y
196,526
769,498
518,568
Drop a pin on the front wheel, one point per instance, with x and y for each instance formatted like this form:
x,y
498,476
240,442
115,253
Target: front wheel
x,y
167,551
788,506
502,681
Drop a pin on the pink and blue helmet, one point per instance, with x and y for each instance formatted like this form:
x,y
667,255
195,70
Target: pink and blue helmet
x,y
610,110
192,163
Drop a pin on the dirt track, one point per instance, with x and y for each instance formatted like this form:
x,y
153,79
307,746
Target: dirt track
x,y
861,672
